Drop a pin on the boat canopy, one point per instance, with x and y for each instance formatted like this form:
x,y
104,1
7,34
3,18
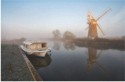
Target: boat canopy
x,y
32,42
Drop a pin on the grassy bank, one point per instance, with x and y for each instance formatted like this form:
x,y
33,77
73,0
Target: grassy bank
x,y
13,66
101,43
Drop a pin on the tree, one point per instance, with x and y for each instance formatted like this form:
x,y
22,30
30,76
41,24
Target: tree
x,y
57,34
68,36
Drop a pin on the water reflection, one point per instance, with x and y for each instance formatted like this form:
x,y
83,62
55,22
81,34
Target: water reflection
x,y
93,56
69,45
74,65
56,45
39,62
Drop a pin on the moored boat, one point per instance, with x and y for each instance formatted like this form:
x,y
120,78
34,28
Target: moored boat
x,y
37,48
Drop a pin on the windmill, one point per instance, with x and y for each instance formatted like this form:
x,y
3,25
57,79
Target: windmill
x,y
93,25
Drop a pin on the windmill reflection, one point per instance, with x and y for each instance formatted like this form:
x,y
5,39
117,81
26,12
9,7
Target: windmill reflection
x,y
93,55
69,45
39,62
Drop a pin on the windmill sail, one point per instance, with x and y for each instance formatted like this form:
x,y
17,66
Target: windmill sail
x,y
93,25
103,14
100,29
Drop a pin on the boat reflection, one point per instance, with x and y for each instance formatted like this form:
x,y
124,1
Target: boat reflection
x,y
39,62
69,45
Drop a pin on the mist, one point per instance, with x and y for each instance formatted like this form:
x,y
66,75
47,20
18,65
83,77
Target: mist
x,y
33,21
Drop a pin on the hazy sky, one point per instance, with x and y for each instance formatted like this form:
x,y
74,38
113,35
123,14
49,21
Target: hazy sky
x,y
38,18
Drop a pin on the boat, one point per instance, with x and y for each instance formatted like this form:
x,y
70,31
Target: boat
x,y
37,48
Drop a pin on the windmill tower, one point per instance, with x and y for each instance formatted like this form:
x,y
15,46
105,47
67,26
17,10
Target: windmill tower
x,y
93,25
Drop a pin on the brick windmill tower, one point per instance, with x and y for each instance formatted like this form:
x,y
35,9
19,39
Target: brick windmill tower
x,y
93,25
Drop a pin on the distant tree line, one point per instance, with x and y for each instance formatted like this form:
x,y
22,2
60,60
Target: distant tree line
x,y
66,36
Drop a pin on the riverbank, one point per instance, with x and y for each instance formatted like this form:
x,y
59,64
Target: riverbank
x,y
101,43
13,64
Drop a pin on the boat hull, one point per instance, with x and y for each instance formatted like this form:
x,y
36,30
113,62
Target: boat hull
x,y
41,53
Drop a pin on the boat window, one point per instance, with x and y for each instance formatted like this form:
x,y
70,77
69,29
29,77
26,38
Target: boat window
x,y
35,46
38,46
43,44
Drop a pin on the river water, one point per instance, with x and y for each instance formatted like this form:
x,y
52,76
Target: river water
x,y
69,62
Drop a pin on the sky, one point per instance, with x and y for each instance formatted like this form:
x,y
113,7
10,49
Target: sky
x,y
35,19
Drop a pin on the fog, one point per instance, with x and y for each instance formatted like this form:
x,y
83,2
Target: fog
x,y
36,24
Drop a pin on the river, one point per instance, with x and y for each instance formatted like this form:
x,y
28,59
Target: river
x,y
69,62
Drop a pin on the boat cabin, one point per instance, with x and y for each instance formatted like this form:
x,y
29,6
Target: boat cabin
x,y
35,45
